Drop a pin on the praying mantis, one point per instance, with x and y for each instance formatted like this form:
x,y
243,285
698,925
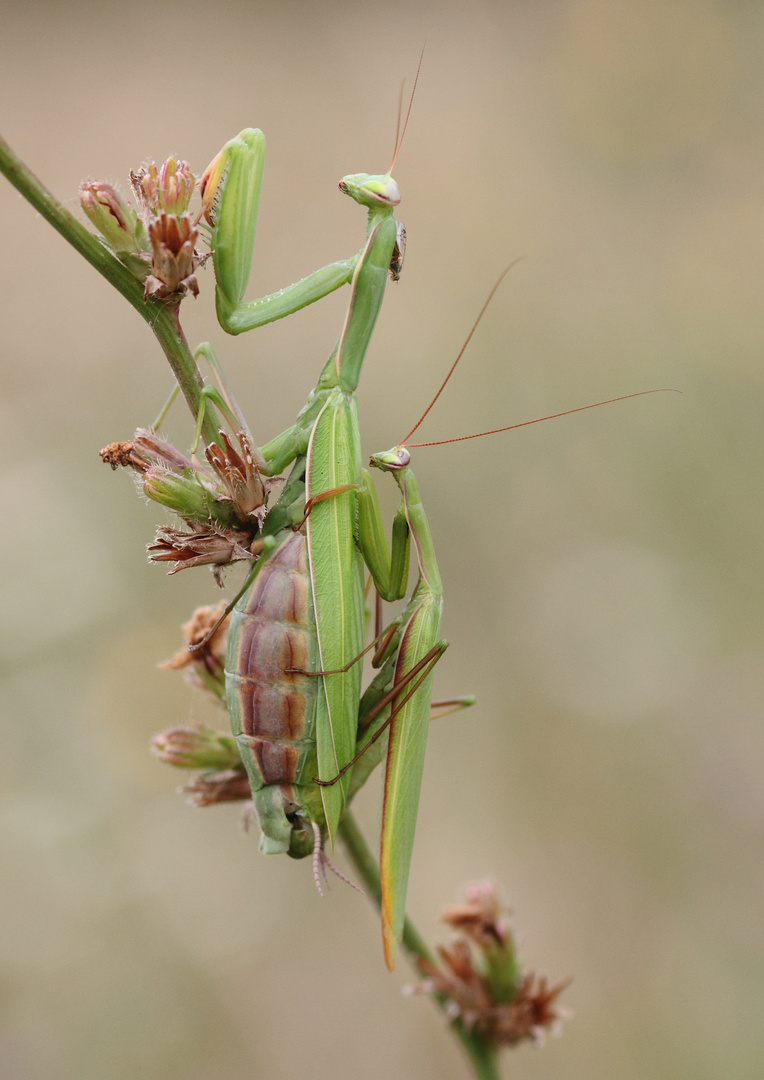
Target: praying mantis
x,y
342,530
325,433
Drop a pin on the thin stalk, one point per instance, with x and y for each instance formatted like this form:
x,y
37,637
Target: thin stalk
x,y
483,1057
161,317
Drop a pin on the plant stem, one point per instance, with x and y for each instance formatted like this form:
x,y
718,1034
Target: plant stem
x,y
483,1057
161,317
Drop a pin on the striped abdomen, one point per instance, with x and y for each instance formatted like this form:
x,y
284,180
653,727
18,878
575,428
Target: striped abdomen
x,y
272,711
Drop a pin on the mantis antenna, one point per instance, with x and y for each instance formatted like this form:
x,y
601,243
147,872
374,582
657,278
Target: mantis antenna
x,y
399,141
525,423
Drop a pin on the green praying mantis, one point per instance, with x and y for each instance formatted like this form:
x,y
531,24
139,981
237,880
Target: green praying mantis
x,y
324,444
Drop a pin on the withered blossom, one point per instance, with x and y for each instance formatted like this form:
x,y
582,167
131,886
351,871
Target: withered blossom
x,y
125,455
482,979
203,545
162,451
205,622
480,917
232,785
174,260
243,477
203,666
145,449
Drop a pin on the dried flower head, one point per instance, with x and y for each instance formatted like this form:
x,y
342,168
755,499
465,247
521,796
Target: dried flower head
x,y
231,785
202,545
207,631
145,449
173,260
205,625
125,455
480,917
482,979
243,477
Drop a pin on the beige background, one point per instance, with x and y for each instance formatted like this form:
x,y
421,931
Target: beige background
x,y
605,595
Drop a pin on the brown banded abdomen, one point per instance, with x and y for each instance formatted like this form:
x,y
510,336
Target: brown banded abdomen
x,y
273,629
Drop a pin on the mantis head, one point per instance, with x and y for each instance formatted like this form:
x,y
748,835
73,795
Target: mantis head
x,y
371,191
391,460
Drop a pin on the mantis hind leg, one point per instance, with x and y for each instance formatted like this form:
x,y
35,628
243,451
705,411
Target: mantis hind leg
x,y
418,673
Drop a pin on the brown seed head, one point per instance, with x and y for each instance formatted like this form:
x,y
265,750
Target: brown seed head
x,y
481,978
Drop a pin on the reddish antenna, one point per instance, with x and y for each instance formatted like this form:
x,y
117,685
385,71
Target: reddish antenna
x,y
524,423
399,142
538,420
451,370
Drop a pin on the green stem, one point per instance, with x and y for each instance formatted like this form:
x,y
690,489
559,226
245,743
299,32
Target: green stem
x,y
483,1057
161,317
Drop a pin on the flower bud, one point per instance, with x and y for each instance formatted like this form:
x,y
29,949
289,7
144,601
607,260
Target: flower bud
x,y
196,748
115,219
167,187
182,494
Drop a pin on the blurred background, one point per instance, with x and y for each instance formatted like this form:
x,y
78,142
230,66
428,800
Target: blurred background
x,y
603,572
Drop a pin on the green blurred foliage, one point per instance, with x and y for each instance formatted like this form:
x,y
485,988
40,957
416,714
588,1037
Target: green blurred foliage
x,y
602,572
